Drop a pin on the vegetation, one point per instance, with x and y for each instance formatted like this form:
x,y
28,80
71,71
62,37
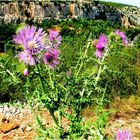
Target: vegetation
x,y
95,66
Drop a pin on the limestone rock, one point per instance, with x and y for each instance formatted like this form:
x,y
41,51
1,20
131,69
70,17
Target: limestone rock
x,y
7,126
20,11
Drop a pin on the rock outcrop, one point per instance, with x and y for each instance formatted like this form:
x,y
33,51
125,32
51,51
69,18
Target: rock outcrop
x,y
39,10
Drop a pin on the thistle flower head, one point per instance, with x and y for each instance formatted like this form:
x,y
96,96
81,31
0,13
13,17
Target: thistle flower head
x,y
124,135
99,54
54,38
123,36
32,42
100,46
31,39
101,42
51,57
26,72
53,34
37,46
27,58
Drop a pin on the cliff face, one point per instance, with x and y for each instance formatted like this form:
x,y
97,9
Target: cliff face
x,y
37,11
132,14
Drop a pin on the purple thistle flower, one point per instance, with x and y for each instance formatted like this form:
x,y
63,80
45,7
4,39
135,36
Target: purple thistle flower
x,y
53,34
54,38
26,72
37,46
27,58
123,36
100,46
32,41
51,57
99,54
124,135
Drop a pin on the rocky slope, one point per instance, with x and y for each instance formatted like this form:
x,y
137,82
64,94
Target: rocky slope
x,y
15,12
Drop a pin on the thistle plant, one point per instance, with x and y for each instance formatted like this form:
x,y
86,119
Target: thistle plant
x,y
65,94
38,48
105,48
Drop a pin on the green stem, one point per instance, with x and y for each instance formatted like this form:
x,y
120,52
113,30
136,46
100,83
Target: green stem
x,y
100,68
62,87
79,69
103,95
98,75
51,81
53,116
59,117
85,53
43,91
10,73
40,80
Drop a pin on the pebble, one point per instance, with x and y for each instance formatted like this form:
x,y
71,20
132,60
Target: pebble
x,y
10,111
28,128
23,127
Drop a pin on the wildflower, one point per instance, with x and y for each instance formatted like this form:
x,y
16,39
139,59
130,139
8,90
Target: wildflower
x,y
53,34
100,46
27,58
37,46
32,41
123,36
55,38
99,54
124,135
51,57
26,72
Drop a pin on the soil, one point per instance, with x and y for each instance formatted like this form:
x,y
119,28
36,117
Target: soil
x,y
23,126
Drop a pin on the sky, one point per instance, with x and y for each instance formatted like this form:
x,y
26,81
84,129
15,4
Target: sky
x,y
130,2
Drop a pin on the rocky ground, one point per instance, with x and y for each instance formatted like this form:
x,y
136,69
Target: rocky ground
x,y
16,123
19,123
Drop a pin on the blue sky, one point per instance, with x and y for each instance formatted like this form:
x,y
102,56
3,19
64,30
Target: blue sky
x,y
130,2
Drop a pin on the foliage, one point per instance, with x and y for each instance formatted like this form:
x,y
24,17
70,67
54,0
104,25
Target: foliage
x,y
115,4
11,83
80,80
